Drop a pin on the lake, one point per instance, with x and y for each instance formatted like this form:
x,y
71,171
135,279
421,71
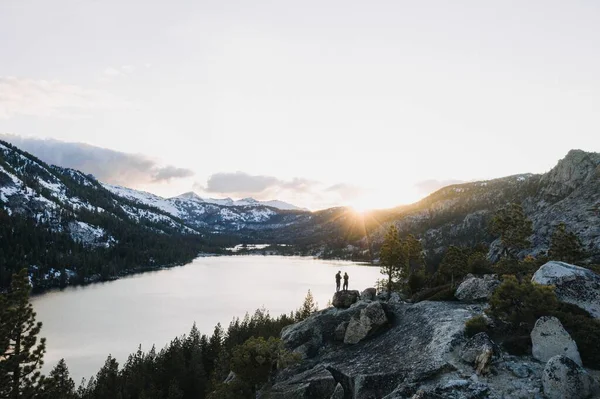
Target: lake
x,y
85,324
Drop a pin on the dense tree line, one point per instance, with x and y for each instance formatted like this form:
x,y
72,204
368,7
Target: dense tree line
x,y
38,246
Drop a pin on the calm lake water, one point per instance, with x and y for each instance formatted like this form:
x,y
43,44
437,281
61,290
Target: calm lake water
x,y
85,324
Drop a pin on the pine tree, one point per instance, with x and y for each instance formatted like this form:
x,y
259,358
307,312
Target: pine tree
x,y
21,356
565,245
454,264
59,384
308,307
413,251
392,258
514,229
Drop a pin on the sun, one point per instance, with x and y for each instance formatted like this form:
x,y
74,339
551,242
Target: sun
x,y
361,207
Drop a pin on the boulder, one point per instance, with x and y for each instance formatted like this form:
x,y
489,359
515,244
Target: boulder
x,y
308,336
395,298
549,339
368,294
315,383
480,351
338,393
371,318
573,284
344,299
477,289
340,331
562,378
418,345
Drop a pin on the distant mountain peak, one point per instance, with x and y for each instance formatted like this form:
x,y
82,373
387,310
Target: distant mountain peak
x,y
190,195
248,201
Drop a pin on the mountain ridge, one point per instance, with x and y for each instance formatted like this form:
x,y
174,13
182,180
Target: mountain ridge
x,y
72,202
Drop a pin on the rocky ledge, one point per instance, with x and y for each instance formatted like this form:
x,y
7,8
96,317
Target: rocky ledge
x,y
394,350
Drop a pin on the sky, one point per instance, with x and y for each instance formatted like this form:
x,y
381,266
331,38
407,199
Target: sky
x,y
318,103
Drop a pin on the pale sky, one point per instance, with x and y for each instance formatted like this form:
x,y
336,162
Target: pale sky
x,y
318,103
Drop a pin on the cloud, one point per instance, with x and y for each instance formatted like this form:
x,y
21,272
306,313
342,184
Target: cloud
x,y
426,187
107,165
299,191
240,182
346,191
171,172
51,98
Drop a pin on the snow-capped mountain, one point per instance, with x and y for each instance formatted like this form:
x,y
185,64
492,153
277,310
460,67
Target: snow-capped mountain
x,y
216,214
70,201
242,202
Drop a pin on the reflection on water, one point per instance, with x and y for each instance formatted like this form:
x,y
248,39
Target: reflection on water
x,y
85,324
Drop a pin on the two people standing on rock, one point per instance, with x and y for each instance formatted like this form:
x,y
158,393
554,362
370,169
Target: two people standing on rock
x,y
338,278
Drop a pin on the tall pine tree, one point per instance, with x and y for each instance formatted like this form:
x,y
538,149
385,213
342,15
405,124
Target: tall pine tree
x,y
565,245
392,258
21,355
514,229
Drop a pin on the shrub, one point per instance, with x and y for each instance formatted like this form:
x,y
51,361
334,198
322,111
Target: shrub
x,y
584,330
416,281
476,325
479,264
517,345
520,304
428,293
446,294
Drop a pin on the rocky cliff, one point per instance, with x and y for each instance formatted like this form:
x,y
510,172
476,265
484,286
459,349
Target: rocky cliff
x,y
396,350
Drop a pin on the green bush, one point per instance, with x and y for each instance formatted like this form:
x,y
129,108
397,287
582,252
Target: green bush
x,y
520,304
475,325
517,345
428,293
447,294
416,281
584,330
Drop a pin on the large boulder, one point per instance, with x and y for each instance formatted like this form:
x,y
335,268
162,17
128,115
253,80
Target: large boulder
x,y
564,379
368,294
574,284
344,299
480,351
317,383
477,289
549,339
419,344
367,323
308,336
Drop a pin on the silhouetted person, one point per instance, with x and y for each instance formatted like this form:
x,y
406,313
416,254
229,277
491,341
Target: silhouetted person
x,y
338,278
346,281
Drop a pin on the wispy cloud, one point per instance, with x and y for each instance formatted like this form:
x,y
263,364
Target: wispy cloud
x,y
51,98
297,190
107,165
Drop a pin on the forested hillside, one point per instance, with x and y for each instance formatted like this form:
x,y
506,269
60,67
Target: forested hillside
x,y
459,215
65,227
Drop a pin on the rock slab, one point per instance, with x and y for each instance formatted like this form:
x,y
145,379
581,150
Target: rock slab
x,y
562,378
368,294
549,338
368,322
317,383
573,284
477,289
344,299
